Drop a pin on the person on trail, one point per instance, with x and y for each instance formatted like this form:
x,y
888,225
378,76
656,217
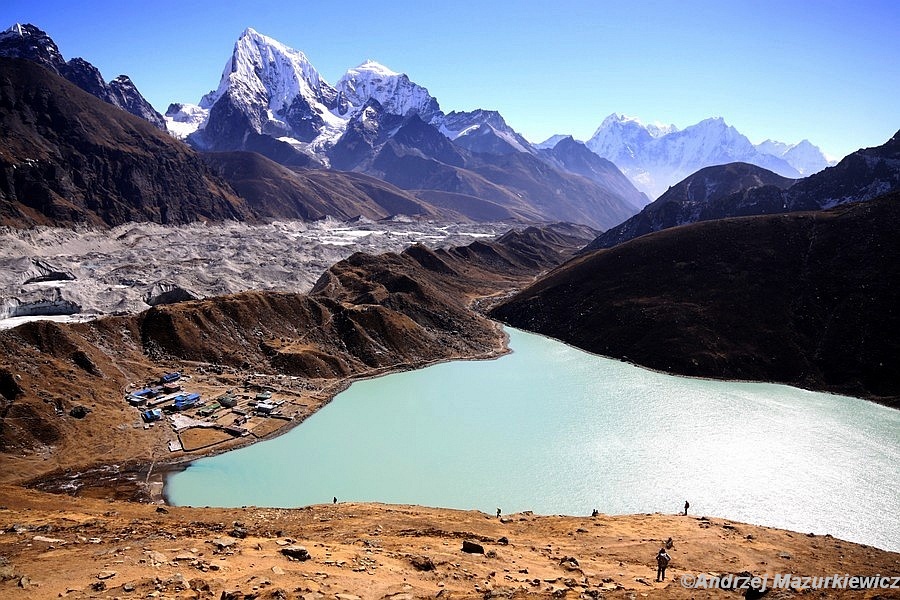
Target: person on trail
x,y
687,505
334,500
498,513
662,561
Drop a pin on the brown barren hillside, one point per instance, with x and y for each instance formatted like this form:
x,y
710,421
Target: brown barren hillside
x,y
67,157
810,299
101,549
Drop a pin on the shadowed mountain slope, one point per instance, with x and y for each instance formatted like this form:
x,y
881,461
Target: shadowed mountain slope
x,y
67,157
810,299
711,193
272,190
740,189
30,43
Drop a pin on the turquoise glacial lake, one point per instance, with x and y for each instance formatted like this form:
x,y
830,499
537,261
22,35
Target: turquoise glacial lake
x,y
556,430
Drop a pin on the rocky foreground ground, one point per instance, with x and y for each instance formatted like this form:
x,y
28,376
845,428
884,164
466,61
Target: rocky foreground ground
x,y
104,549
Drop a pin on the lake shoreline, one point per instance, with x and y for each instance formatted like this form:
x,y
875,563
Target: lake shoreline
x,y
540,423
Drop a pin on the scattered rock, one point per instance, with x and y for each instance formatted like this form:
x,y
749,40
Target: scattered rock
x,y
24,581
224,543
277,570
178,581
644,581
296,552
569,563
98,586
422,563
156,558
48,540
347,597
503,541
785,555
168,293
162,510
79,412
239,532
472,547
106,574
128,587
199,585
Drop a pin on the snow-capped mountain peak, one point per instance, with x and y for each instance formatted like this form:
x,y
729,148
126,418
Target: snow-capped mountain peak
x,y
395,92
375,68
262,66
803,156
655,129
482,131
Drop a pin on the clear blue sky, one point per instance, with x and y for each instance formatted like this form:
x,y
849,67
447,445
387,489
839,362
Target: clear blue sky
x,y
825,70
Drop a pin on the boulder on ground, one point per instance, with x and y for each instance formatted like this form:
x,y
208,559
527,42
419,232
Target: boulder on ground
x,y
296,552
472,547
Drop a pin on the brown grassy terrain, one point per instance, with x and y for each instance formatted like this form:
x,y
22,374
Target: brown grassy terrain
x,y
103,549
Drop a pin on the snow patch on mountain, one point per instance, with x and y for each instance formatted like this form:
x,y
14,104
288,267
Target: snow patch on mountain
x,y
184,119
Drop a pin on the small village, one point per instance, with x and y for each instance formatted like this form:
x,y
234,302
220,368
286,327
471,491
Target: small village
x,y
203,415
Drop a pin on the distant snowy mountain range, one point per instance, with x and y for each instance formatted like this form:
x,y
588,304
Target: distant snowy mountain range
x,y
656,157
272,90
272,100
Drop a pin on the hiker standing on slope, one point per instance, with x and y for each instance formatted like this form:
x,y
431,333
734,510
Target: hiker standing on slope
x,y
662,561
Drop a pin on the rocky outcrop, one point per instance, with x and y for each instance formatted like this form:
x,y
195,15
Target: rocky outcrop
x,y
168,293
43,272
